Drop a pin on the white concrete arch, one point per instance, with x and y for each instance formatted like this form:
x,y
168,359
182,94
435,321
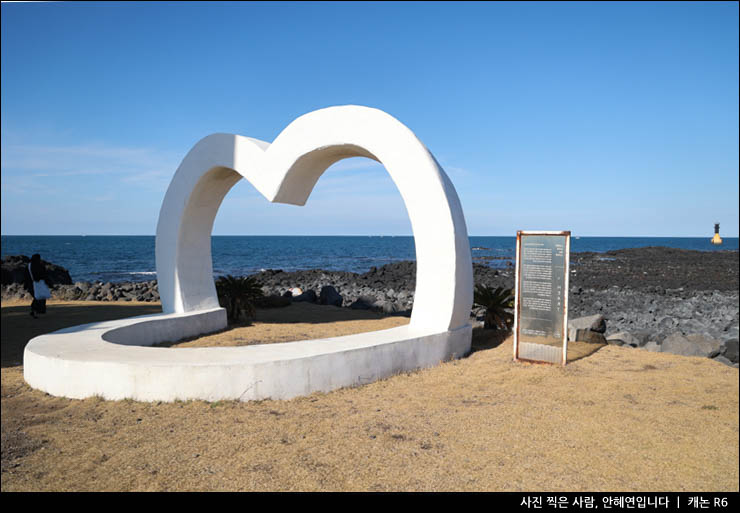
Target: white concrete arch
x,y
286,171
111,359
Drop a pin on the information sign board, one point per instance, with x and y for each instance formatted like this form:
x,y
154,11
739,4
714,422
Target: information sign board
x,y
541,296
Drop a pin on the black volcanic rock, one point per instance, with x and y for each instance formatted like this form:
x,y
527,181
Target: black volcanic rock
x,y
656,269
330,296
14,271
648,293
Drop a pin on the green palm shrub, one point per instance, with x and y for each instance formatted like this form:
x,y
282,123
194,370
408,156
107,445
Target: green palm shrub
x,y
238,296
498,302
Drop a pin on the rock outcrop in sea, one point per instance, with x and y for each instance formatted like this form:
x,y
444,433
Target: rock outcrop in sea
x,y
13,270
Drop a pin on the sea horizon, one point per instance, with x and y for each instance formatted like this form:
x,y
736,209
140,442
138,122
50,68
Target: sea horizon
x,y
118,258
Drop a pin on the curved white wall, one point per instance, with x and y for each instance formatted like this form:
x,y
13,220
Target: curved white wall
x,y
286,172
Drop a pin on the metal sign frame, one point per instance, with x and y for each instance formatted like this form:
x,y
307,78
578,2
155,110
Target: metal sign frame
x,y
517,304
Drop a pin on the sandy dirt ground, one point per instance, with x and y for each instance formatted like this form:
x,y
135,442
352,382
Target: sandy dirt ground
x,y
614,419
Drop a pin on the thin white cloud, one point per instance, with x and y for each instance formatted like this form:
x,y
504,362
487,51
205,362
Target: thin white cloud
x,y
105,198
87,159
366,164
23,185
452,169
458,171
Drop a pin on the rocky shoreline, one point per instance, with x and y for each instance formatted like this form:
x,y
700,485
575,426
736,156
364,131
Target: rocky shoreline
x,y
646,296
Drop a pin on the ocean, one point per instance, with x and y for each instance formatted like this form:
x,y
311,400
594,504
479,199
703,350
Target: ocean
x,y
131,258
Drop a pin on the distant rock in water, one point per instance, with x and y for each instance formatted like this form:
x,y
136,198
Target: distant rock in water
x,y
14,271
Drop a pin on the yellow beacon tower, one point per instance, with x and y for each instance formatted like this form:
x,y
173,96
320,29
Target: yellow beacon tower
x,y
716,239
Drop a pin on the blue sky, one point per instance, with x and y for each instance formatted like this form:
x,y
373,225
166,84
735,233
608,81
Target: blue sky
x,y
607,119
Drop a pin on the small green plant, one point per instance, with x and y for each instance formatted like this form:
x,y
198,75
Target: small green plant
x,y
498,302
238,296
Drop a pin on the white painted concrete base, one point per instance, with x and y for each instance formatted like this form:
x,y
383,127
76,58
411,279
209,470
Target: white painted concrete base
x,y
99,360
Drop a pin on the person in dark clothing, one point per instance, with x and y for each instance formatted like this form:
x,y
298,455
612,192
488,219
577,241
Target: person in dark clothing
x,y
36,271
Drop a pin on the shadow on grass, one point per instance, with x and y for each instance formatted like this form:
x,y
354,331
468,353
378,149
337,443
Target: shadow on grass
x,y
230,327
317,314
491,338
18,327
578,350
488,339
283,317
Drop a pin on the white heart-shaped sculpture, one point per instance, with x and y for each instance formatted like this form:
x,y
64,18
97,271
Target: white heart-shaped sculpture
x,y
110,359
286,172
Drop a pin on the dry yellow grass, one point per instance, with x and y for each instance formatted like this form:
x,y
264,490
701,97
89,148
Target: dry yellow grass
x,y
615,420
299,321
